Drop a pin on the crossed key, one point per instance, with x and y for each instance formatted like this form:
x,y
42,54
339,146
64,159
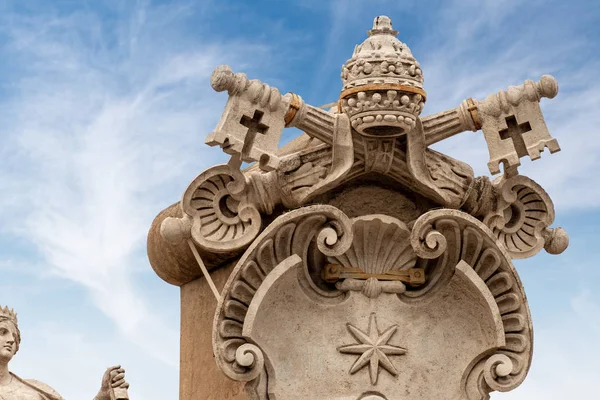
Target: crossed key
x,y
513,124
253,120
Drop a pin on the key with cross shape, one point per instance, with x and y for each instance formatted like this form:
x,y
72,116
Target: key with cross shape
x,y
513,124
254,126
515,132
253,120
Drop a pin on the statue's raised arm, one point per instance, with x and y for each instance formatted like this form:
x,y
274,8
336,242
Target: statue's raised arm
x,y
12,387
114,386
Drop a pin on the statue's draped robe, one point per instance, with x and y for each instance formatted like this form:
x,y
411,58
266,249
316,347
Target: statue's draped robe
x,y
26,389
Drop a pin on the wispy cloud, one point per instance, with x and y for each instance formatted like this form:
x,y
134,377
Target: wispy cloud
x,y
471,48
479,56
103,126
104,110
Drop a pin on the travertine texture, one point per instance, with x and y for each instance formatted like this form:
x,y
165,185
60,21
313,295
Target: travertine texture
x,y
513,124
356,262
382,95
200,376
466,327
360,345
12,387
253,120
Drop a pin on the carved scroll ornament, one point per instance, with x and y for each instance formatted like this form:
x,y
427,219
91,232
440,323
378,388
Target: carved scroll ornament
x,y
288,238
217,215
457,251
370,307
522,218
446,237
380,247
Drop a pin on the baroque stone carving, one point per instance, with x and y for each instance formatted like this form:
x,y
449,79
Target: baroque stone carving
x,y
457,252
114,386
430,295
522,218
373,348
448,238
382,96
254,118
380,247
291,235
513,124
217,213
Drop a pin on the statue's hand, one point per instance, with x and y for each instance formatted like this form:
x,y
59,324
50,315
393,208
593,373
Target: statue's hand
x,y
114,377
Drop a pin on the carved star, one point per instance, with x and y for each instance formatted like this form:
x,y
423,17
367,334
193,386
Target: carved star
x,y
373,348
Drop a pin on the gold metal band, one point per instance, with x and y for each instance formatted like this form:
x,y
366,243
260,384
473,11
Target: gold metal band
x,y
472,109
383,86
334,272
291,112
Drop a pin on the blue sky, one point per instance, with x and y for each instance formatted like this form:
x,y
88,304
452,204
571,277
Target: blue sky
x,y
104,107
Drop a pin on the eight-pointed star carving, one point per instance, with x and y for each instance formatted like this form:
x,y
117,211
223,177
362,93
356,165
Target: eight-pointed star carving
x,y
373,349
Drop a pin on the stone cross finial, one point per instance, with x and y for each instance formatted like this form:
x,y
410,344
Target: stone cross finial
x,y
382,24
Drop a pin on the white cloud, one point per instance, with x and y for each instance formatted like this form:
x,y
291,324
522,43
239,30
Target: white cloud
x,y
103,125
73,362
479,56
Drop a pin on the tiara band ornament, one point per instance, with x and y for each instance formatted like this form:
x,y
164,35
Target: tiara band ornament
x,y
382,91
9,314
383,86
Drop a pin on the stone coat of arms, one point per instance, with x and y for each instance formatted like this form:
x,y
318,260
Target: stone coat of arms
x,y
361,264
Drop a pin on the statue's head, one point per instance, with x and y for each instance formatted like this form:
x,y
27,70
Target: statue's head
x,y
383,84
10,337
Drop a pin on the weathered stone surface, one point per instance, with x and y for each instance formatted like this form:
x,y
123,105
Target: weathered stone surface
x,y
253,119
470,309
200,378
356,262
310,353
513,124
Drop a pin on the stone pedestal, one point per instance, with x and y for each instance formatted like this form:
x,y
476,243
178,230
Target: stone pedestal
x,y
357,263
200,378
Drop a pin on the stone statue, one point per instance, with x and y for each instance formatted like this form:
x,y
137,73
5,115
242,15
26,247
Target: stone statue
x,y
356,262
12,387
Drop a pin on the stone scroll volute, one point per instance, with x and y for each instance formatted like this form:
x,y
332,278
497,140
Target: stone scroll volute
x,y
285,328
406,288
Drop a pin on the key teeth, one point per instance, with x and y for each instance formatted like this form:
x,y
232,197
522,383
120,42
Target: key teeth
x,y
509,161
